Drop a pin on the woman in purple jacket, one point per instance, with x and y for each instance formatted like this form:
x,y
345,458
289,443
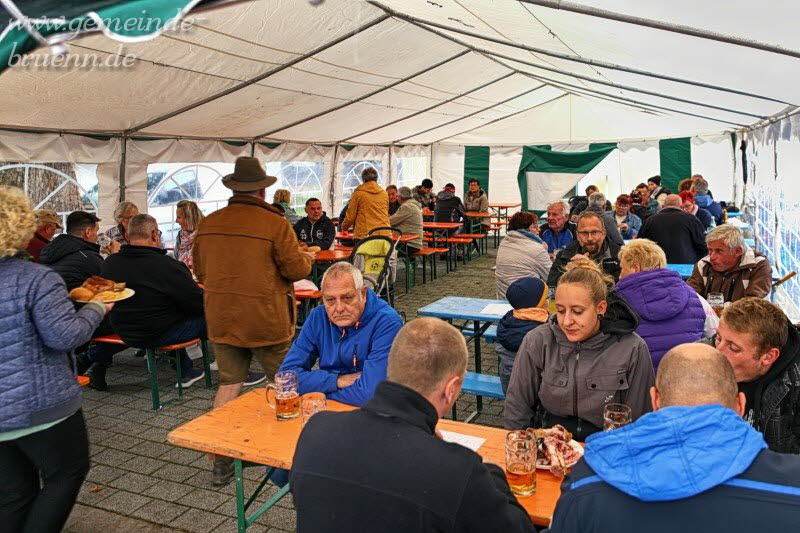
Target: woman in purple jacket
x,y
44,448
670,311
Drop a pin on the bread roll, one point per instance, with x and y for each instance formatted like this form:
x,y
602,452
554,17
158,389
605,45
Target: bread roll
x,y
314,249
81,293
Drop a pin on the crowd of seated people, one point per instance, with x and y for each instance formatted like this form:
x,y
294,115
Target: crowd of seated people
x,y
619,333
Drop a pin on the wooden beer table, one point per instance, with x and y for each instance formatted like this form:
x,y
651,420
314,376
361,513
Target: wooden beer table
x,y
326,256
246,430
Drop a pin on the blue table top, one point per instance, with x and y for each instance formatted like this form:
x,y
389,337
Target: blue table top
x,y
461,308
684,270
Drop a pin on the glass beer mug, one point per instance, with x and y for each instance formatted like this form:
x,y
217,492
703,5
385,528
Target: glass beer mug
x,y
286,398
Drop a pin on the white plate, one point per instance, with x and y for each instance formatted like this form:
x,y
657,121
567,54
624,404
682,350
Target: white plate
x,y
572,444
126,293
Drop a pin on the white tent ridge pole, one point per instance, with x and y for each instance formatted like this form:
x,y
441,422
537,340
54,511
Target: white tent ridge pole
x,y
780,115
368,95
567,57
655,24
421,111
260,77
490,54
472,114
501,118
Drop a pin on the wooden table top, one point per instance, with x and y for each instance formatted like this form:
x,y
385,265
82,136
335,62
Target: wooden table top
x,y
406,237
307,294
246,428
441,225
427,212
505,206
477,214
324,256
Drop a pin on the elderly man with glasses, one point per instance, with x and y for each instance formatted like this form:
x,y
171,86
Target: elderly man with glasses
x,y
592,243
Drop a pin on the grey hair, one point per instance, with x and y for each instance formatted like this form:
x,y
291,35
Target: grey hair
x,y
343,268
730,235
141,226
560,205
122,208
404,193
700,185
597,199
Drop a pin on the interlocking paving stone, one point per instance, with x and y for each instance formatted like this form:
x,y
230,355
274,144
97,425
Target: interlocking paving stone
x,y
160,512
143,465
123,502
204,499
199,521
176,473
133,482
168,491
103,473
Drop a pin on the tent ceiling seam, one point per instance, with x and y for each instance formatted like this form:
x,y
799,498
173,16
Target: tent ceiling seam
x,y
443,102
655,24
567,57
472,114
369,95
262,76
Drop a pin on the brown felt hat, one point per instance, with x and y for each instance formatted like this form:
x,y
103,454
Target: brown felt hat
x,y
248,175
47,215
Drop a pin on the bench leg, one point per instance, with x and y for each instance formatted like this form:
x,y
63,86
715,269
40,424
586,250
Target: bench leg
x,y
177,356
206,365
455,416
152,368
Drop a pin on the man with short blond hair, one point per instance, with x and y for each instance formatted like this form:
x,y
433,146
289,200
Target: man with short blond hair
x,y
731,268
382,468
692,464
763,347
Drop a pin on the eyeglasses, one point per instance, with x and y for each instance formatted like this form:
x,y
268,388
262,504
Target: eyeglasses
x,y
590,233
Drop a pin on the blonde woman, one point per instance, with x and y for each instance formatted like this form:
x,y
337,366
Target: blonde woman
x,y
123,214
586,356
42,430
188,217
284,198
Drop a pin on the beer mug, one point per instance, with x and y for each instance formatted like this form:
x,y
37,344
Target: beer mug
x,y
311,404
616,415
717,302
521,462
287,399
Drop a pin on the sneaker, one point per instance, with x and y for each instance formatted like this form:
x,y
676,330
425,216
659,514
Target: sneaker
x,y
97,375
223,471
191,377
254,378
213,365
82,363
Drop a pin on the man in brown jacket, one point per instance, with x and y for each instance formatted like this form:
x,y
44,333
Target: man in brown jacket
x,y
247,257
731,267
368,207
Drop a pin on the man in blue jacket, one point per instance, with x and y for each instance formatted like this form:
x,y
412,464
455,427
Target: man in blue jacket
x,y
692,465
350,336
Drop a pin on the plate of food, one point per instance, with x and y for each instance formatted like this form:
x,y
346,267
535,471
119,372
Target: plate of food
x,y
97,289
557,450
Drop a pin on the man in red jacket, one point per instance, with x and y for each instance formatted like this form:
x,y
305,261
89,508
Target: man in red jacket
x,y
47,222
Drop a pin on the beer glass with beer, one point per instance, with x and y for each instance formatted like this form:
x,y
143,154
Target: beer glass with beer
x,y
717,302
616,415
311,404
521,462
287,399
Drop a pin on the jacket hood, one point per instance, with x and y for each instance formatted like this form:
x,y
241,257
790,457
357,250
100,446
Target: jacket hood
x,y
674,453
620,318
371,187
478,194
64,245
131,250
658,294
703,200
445,195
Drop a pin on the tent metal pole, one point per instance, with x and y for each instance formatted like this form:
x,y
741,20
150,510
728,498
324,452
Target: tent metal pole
x,y
472,114
489,54
650,23
368,95
566,57
262,76
332,191
502,118
253,149
122,162
415,113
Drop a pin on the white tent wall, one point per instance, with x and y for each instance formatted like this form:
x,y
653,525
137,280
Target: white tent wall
x,y
350,162
24,147
410,165
503,168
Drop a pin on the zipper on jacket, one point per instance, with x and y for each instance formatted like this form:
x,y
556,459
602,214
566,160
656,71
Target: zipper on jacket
x,y
575,386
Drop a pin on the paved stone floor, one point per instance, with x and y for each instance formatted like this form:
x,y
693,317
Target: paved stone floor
x,y
141,483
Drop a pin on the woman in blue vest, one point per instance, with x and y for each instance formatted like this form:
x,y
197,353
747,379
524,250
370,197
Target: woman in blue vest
x,y
44,448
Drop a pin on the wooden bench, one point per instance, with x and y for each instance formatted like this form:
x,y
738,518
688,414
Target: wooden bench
x,y
480,385
490,335
425,254
170,350
478,238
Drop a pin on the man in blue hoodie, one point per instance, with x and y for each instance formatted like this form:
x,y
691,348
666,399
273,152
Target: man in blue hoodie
x,y
704,200
350,336
692,465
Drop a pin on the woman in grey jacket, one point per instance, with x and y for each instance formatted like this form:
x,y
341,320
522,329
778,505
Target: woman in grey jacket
x,y
585,357
521,253
44,448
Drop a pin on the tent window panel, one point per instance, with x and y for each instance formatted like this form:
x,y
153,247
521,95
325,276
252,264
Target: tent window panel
x,y
60,186
303,179
352,175
412,170
169,183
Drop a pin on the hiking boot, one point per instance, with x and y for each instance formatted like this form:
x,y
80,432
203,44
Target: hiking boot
x,y
82,363
254,378
223,471
97,376
191,377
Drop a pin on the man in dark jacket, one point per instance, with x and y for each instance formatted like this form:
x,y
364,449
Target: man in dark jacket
x,y
592,243
168,305
680,235
315,229
692,465
657,192
423,194
402,478
764,348
75,255
449,207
